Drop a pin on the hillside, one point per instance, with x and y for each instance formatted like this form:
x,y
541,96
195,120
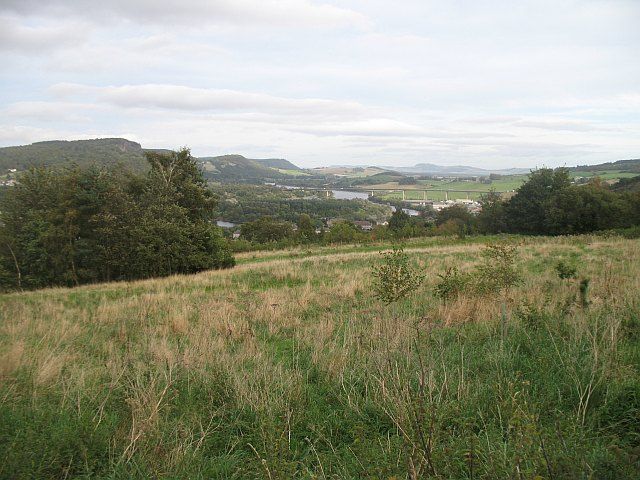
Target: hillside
x,y
236,168
119,151
288,367
277,163
631,184
463,170
103,151
632,166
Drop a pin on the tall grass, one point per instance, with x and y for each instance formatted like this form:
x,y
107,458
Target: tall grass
x,y
287,367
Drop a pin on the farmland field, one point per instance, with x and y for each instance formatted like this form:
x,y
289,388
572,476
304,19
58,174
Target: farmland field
x,y
505,184
604,174
288,367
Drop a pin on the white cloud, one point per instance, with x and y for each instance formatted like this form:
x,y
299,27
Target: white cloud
x,y
18,38
177,97
322,81
50,111
272,13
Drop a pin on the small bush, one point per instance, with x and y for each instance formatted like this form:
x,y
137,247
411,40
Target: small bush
x,y
395,278
565,270
498,273
584,293
452,283
531,316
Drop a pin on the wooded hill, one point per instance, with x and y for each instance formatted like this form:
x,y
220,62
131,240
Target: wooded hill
x,y
236,168
99,151
632,166
119,151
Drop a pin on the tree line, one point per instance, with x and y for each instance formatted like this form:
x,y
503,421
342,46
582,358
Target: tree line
x,y
69,226
549,204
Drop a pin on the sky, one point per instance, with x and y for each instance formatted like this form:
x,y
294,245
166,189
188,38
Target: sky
x,y
486,83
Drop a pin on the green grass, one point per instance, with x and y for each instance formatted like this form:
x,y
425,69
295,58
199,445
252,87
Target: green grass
x,y
505,184
287,367
293,173
604,174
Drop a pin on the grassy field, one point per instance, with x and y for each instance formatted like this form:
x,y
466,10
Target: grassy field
x,y
604,174
294,173
288,367
502,185
431,196
507,183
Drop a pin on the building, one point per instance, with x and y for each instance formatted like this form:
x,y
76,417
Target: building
x,y
363,225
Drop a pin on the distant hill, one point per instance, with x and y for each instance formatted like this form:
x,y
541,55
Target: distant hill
x,y
119,151
632,165
277,163
432,169
236,168
101,151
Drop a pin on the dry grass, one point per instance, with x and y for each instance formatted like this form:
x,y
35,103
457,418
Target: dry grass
x,y
257,324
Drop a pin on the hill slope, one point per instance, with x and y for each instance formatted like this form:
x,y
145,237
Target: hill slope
x,y
277,163
114,151
101,151
432,169
288,367
627,185
236,168
632,165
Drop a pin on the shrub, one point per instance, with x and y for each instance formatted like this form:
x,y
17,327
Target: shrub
x,y
498,273
531,315
452,283
584,293
565,270
395,278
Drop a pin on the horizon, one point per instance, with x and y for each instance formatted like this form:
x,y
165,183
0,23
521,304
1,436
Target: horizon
x,y
321,166
326,83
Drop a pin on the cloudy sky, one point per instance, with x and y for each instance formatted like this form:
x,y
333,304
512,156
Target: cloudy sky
x,y
486,83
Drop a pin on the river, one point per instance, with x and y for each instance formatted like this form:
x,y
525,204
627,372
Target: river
x,y
223,224
338,195
351,195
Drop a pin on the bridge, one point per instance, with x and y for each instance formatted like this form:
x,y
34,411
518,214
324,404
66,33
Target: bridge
x,y
423,191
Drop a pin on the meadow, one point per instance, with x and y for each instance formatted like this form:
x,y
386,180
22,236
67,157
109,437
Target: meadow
x,y
465,189
287,366
506,183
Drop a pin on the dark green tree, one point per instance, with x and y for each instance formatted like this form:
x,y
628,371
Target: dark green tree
x,y
266,229
492,218
526,211
587,208
343,232
456,212
306,229
399,220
